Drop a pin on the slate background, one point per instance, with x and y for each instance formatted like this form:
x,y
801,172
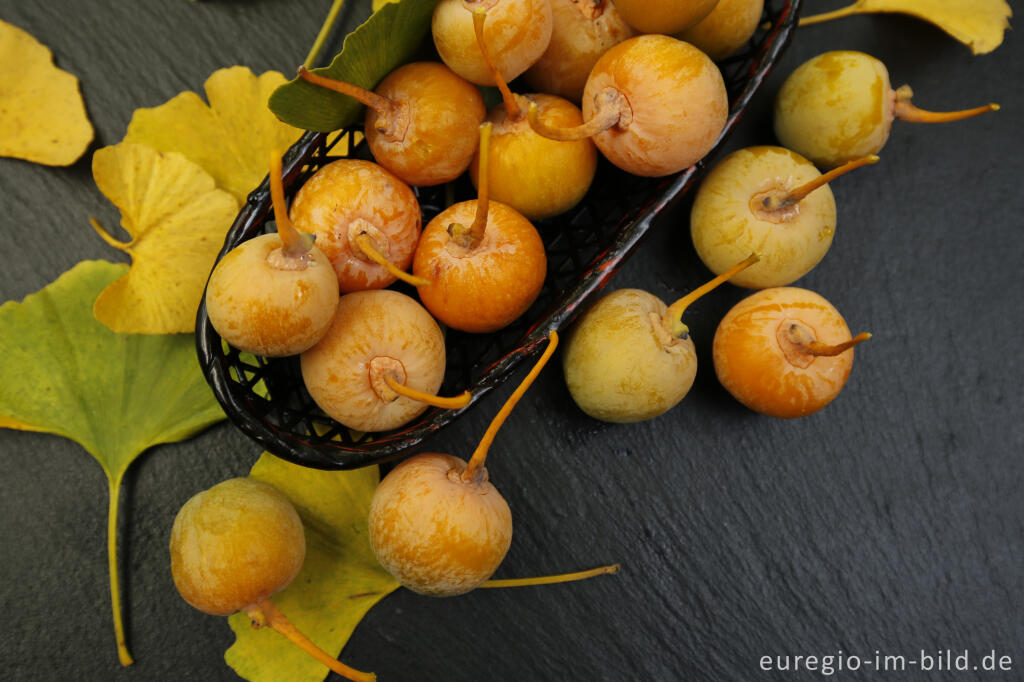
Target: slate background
x,y
892,521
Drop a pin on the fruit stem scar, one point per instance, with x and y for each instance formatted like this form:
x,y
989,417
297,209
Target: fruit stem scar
x,y
365,244
265,613
471,237
672,320
296,244
610,109
476,462
776,200
511,107
611,569
906,111
388,112
454,403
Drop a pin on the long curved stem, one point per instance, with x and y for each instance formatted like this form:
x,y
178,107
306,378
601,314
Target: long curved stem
x,y
905,111
673,317
553,579
797,195
819,349
325,30
606,115
454,403
365,244
115,588
480,454
264,612
511,108
295,243
471,237
382,105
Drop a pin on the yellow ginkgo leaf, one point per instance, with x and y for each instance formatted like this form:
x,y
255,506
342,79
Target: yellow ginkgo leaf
x,y
42,116
177,219
231,139
979,24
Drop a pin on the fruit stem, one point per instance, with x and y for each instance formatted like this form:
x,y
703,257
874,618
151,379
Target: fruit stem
x,y
296,244
511,108
476,462
553,579
904,110
610,110
471,237
387,111
115,589
834,14
672,320
365,244
799,336
325,30
773,202
265,613
453,403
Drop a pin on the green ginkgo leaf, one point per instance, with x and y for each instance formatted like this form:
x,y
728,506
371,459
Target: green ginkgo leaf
x,y
389,38
63,372
339,582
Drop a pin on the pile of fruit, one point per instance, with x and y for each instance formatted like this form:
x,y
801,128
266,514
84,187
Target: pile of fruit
x,y
373,358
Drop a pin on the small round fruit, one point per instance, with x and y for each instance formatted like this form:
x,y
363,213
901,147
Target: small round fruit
x,y
663,16
537,176
517,33
583,31
620,363
483,287
349,198
785,352
261,304
439,534
654,105
839,106
726,29
375,334
235,545
733,214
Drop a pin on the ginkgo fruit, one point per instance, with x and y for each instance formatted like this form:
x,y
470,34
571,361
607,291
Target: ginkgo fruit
x,y
653,104
770,200
235,545
421,120
436,522
365,220
785,352
630,358
380,364
273,295
839,106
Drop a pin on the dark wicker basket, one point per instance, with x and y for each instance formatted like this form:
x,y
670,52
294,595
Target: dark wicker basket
x,y
266,398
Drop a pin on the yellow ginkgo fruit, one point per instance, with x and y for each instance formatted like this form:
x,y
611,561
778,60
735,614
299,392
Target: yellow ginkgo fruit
x,y
42,115
978,24
231,138
177,219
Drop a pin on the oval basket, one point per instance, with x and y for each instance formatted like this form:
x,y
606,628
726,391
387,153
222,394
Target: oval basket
x,y
266,398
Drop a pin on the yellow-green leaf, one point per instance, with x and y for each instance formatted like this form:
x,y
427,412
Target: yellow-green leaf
x,y
979,24
340,580
377,4
42,115
62,372
177,220
231,139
